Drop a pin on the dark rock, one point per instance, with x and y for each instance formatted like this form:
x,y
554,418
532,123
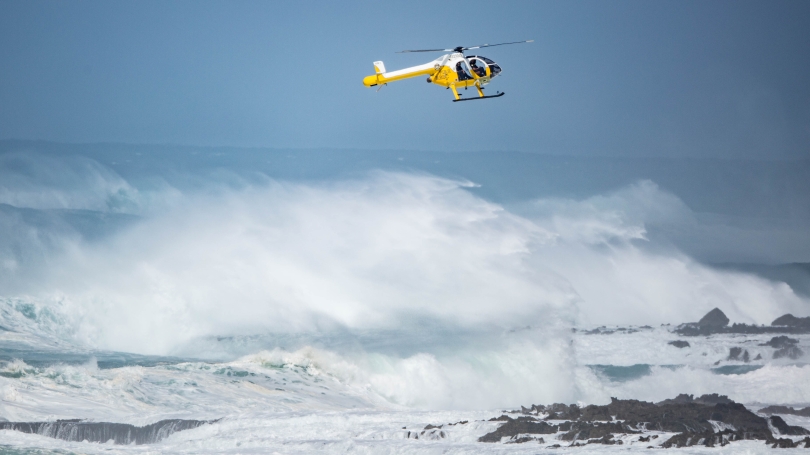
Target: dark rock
x,y
710,438
680,399
694,329
559,411
708,399
785,410
119,433
789,320
791,352
689,417
781,342
782,443
713,398
734,353
692,419
679,344
714,318
592,413
514,427
785,429
433,434
502,418
606,439
524,439
758,357
591,430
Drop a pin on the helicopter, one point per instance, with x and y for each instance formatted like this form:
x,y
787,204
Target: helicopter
x,y
453,71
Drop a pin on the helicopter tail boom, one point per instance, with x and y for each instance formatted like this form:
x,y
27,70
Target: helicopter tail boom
x,y
382,77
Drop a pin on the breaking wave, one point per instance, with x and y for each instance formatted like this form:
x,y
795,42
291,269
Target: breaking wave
x,y
416,289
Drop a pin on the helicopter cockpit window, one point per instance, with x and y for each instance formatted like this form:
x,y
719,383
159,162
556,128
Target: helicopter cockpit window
x,y
494,69
463,74
478,66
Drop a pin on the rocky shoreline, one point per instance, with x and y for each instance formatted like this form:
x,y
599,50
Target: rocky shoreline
x,y
684,421
716,322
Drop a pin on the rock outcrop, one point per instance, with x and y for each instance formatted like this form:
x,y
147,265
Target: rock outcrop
x,y
714,318
789,320
805,412
715,321
708,420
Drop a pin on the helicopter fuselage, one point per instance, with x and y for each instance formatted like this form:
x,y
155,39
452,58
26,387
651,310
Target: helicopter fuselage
x,y
453,71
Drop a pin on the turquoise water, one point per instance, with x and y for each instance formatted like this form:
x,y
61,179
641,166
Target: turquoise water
x,y
736,369
618,373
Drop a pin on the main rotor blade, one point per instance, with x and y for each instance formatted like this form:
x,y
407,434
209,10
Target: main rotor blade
x,y
499,44
426,50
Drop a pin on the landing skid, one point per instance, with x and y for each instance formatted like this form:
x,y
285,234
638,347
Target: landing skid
x,y
480,97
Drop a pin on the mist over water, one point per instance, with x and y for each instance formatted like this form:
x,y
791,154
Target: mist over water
x,y
407,283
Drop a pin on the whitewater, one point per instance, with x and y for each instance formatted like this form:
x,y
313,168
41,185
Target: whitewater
x,y
347,314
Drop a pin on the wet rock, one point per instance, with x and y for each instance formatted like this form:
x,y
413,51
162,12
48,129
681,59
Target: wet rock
x,y
784,429
679,344
712,323
784,443
791,352
707,438
592,413
785,410
524,439
781,342
591,430
708,420
758,357
734,353
708,399
713,398
559,411
434,434
119,433
534,410
514,427
606,439
714,318
502,418
789,320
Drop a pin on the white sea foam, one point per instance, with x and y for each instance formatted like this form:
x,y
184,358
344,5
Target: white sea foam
x,y
392,293
379,253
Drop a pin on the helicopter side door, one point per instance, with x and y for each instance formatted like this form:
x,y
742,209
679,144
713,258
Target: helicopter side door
x,y
463,71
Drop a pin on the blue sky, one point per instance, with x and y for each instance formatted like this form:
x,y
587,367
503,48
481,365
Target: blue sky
x,y
631,78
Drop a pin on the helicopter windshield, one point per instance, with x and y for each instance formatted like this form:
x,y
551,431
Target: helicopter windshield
x,y
493,67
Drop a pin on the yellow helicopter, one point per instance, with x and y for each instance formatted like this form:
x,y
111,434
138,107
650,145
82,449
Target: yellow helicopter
x,y
453,71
